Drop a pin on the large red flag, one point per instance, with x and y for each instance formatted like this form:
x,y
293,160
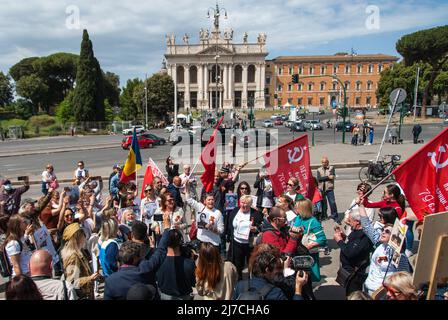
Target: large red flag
x,y
208,159
424,177
291,160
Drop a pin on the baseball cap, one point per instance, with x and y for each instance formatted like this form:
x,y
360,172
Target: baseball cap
x,y
224,169
27,200
116,166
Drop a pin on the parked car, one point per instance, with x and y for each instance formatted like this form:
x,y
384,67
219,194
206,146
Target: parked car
x,y
285,117
170,128
313,125
278,121
268,124
178,137
158,140
143,142
348,126
288,123
275,116
321,111
138,129
257,138
298,126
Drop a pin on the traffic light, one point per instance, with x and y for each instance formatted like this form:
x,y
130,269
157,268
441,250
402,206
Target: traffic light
x,y
342,112
295,78
275,96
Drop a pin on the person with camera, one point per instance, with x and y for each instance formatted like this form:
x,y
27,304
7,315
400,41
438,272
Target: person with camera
x,y
11,197
134,268
209,221
176,276
81,173
19,244
242,226
354,255
215,278
168,207
266,268
275,232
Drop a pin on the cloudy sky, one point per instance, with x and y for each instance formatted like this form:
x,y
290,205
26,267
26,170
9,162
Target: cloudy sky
x,y
129,36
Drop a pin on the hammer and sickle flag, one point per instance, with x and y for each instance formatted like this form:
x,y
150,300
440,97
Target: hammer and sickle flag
x,y
291,160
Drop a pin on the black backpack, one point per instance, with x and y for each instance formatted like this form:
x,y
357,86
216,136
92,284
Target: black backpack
x,y
251,293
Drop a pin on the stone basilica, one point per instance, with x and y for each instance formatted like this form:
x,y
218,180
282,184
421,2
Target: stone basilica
x,y
217,73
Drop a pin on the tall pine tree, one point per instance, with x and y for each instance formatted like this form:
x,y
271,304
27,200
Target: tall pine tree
x,y
88,100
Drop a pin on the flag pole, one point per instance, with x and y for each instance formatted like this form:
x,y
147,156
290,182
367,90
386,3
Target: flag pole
x,y
371,190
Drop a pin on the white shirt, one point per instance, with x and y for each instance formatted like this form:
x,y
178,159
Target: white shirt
x,y
377,269
290,216
193,183
81,172
206,215
241,227
147,209
13,248
46,176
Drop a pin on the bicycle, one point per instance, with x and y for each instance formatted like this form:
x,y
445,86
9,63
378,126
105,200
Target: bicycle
x,y
376,171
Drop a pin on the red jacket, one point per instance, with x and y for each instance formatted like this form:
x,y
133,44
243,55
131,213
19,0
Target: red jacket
x,y
383,204
282,241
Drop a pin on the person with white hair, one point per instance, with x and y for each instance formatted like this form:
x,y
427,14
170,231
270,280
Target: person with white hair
x,y
355,252
240,226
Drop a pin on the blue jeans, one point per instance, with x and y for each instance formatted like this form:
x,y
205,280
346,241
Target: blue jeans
x,y
44,188
329,195
409,235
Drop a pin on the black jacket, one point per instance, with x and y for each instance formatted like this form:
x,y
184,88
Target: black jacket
x,y
260,185
118,283
255,215
175,192
172,172
356,251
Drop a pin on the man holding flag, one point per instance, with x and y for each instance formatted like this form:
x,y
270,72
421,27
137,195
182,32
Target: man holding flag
x,y
133,162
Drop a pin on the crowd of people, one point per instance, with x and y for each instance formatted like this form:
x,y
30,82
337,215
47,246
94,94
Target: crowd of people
x,y
175,243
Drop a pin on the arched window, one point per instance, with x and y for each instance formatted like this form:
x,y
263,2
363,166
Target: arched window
x,y
300,86
310,86
322,86
251,74
193,74
180,74
216,72
347,85
369,85
358,85
239,74
359,68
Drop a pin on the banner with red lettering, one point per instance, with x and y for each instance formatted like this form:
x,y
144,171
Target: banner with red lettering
x,y
291,160
424,177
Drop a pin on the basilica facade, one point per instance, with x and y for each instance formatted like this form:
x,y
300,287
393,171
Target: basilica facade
x,y
217,73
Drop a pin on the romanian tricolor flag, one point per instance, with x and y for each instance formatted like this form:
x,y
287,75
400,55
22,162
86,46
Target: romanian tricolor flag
x,y
133,162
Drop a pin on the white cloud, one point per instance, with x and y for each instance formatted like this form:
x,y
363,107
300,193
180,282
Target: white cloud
x,y
129,36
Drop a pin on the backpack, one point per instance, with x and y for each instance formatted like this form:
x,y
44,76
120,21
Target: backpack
x,y
5,265
251,293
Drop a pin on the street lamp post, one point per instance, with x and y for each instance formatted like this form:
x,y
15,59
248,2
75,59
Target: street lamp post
x,y
146,102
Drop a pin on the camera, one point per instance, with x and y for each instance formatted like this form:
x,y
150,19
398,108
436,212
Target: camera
x,y
302,263
22,178
190,249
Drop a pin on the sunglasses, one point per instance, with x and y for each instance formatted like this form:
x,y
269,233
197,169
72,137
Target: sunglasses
x,y
291,185
387,231
148,190
243,188
170,200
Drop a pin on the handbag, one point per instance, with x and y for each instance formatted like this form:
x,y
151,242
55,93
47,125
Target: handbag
x,y
310,238
193,231
343,276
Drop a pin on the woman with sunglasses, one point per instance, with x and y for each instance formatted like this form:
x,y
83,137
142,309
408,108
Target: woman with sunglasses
x,y
149,205
291,189
243,189
399,286
387,216
168,208
380,262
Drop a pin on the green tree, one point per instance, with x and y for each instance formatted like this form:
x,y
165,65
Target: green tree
x,y
22,108
112,88
88,99
109,111
6,89
160,95
427,46
24,67
64,111
34,89
128,108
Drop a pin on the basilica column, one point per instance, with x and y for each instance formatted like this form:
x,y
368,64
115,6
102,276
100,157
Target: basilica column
x,y
230,86
200,96
244,93
257,81
225,81
206,98
263,83
187,86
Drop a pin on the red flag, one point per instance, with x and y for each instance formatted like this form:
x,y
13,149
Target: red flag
x,y
424,177
208,159
291,160
152,171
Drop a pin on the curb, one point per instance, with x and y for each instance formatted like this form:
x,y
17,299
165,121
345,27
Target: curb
x,y
59,150
198,173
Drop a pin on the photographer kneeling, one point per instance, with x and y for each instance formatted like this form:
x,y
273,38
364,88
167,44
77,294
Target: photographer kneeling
x,y
266,269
